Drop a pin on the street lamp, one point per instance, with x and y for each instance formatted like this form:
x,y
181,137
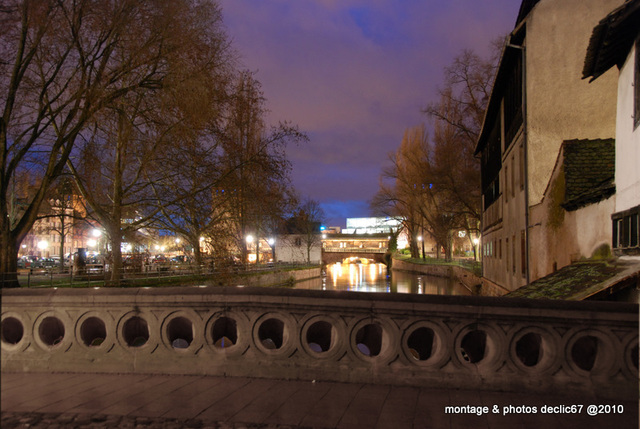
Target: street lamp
x,y
249,256
422,246
43,245
272,243
475,244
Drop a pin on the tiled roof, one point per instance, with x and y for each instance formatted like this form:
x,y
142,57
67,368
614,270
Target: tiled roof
x,y
589,170
611,39
581,280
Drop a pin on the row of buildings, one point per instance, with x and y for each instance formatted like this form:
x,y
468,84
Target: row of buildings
x,y
560,143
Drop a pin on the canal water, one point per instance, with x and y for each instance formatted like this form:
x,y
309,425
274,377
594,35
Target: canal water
x,y
375,278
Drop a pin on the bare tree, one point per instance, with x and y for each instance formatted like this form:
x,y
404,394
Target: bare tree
x,y
136,137
306,222
258,187
66,212
62,62
458,117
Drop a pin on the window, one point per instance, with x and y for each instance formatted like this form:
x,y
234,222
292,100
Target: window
x,y
506,251
521,167
626,227
506,183
513,253
513,101
513,177
523,253
491,163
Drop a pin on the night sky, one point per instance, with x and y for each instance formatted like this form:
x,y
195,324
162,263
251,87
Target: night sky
x,y
353,75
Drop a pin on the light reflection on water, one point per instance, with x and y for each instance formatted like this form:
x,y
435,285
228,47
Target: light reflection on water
x,y
374,278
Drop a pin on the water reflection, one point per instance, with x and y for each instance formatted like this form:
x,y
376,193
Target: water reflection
x,y
375,278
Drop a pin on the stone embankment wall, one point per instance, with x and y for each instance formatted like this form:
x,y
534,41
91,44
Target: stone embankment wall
x,y
469,342
278,278
459,274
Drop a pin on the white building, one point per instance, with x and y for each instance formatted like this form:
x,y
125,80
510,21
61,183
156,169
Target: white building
x,y
299,248
615,41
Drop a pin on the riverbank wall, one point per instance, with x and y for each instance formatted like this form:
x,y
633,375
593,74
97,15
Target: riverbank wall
x,y
272,279
468,279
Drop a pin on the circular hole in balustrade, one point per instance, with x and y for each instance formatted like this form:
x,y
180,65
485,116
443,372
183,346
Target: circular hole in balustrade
x,y
93,332
12,330
369,339
529,349
585,352
420,343
271,333
224,332
319,336
51,331
473,346
135,332
180,332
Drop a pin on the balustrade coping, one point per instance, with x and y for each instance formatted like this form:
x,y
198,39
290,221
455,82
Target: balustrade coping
x,y
348,296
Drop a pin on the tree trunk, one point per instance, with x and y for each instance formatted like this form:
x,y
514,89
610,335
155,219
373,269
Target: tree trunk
x,y
62,240
9,261
449,247
116,257
197,254
413,246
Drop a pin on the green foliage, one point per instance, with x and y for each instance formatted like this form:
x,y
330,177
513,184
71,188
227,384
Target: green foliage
x,y
603,252
393,242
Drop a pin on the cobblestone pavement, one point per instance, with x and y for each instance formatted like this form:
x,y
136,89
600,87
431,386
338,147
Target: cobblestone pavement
x,y
13,420
109,401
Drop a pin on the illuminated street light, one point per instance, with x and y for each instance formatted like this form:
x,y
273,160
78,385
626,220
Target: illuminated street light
x,y
91,242
419,238
271,242
475,244
96,233
249,239
43,244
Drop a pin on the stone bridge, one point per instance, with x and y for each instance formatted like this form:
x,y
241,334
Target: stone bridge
x,y
471,342
333,255
447,341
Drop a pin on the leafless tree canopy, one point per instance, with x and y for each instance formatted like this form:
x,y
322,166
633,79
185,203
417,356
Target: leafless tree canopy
x,y
433,182
141,102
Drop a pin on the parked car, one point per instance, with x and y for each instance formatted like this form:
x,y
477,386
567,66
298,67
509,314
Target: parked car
x,y
159,259
49,263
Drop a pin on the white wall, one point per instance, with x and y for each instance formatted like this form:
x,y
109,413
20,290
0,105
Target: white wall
x,y
288,249
627,141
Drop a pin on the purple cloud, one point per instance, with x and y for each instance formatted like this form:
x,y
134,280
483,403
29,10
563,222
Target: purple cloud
x,y
354,75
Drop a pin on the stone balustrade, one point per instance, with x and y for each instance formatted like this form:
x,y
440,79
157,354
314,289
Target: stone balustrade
x,y
415,340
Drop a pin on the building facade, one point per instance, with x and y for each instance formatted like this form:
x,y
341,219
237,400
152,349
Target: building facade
x,y
538,102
